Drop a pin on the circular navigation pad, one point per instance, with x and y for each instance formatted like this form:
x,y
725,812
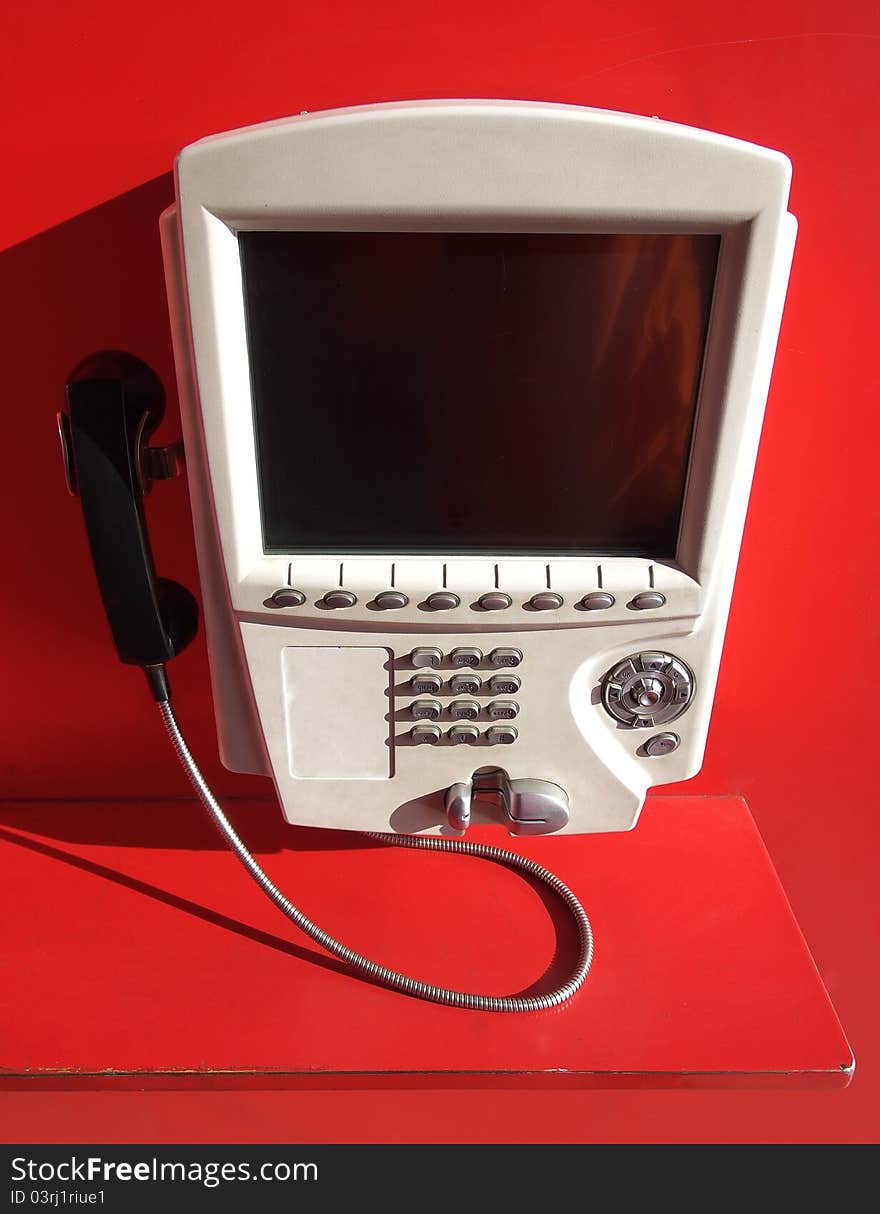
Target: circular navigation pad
x,y
647,689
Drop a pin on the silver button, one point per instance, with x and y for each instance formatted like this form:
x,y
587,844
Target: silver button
x,y
547,600
339,598
426,684
466,655
463,733
647,690
465,684
425,735
597,600
648,600
391,600
464,710
505,657
504,684
426,655
495,600
426,710
288,597
503,710
501,735
661,744
442,600
623,670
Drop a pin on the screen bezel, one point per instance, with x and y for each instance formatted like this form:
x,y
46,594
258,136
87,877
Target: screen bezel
x,y
489,167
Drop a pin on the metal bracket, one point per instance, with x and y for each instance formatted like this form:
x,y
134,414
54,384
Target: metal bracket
x,y
164,463
154,463
530,807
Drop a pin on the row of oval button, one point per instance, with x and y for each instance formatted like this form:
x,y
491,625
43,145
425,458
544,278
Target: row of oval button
x,y
495,735
465,655
447,600
464,710
467,684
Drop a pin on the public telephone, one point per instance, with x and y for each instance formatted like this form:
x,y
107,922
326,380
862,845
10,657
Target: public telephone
x,y
471,396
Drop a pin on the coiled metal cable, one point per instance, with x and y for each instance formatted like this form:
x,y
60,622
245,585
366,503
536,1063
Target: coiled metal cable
x,y
371,969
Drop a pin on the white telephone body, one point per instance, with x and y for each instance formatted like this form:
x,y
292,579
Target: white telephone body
x,y
385,688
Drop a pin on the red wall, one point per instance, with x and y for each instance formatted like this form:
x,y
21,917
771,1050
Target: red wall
x,y
97,98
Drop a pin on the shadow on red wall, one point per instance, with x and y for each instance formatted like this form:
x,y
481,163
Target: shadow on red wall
x,y
79,724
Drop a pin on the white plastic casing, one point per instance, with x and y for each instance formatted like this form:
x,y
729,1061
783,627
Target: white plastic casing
x,y
319,699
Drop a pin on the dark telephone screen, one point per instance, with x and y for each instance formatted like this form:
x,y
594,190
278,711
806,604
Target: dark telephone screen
x,y
447,393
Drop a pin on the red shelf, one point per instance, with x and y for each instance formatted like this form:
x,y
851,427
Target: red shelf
x,y
142,953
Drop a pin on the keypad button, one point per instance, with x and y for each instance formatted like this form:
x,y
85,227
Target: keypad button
x,y
597,600
465,684
501,735
425,735
442,600
504,684
505,657
337,599
391,600
464,710
466,655
426,655
426,684
547,600
288,597
463,733
426,710
495,600
649,600
503,710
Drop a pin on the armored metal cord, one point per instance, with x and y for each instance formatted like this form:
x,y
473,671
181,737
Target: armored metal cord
x,y
371,969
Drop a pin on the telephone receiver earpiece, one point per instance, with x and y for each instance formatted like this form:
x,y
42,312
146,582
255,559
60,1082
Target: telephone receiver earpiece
x,y
115,402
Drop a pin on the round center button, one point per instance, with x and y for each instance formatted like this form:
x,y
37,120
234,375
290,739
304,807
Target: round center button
x,y
547,600
391,600
495,600
339,598
442,600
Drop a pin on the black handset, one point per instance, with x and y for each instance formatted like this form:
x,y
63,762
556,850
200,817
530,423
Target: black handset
x,y
115,402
